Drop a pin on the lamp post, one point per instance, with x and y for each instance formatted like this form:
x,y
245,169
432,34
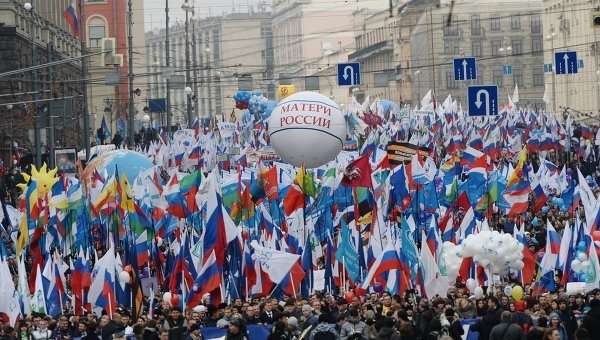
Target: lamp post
x,y
505,50
550,37
188,8
188,94
37,138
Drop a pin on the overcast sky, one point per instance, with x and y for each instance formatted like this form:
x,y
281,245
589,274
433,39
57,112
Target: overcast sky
x,y
154,10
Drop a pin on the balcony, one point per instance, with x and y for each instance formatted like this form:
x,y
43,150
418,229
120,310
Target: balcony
x,y
371,50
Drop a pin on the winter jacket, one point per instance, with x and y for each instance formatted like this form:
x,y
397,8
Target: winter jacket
x,y
324,331
506,331
349,328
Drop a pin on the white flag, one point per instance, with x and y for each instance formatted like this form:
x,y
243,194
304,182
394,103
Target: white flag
x,y
8,296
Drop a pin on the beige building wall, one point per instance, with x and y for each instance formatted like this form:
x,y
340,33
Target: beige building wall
x,y
568,26
484,29
304,31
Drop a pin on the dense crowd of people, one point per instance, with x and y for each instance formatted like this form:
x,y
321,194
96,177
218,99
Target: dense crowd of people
x,y
369,317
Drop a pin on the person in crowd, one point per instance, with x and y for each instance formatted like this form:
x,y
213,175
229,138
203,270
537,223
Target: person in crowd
x,y
236,330
353,328
175,324
490,320
42,332
556,324
506,330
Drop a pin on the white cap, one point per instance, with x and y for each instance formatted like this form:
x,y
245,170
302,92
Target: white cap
x,y
200,309
128,331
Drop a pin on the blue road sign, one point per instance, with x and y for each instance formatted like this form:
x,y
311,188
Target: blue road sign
x,y
566,62
507,69
483,100
348,74
465,69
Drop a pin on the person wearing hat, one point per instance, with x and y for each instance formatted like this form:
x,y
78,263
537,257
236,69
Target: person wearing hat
x,y
292,327
353,328
556,325
506,330
325,329
236,330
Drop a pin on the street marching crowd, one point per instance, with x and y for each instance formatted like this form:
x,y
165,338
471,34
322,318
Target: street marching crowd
x,y
483,228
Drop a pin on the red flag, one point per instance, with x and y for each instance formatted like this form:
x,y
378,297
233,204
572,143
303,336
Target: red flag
x,y
358,173
269,178
294,199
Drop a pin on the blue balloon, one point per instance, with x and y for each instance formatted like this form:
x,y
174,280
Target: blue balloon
x,y
581,246
127,162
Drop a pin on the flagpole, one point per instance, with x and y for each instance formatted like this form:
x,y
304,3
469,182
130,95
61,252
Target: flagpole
x,y
293,287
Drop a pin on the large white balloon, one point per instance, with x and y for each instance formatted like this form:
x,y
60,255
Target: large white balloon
x,y
307,128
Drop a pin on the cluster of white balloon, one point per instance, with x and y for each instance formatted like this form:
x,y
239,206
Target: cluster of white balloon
x,y
490,249
494,251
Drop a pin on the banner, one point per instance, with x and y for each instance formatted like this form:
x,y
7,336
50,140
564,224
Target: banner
x,y
285,91
65,160
400,152
257,332
226,129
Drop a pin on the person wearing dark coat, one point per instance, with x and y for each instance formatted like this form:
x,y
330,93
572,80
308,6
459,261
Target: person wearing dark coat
x,y
490,320
150,332
387,331
176,325
506,330
591,322
236,330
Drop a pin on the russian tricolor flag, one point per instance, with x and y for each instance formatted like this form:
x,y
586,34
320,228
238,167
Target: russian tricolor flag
x,y
387,261
208,280
553,239
70,15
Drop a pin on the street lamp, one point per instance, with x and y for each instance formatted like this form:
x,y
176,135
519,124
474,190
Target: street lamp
x,y
188,8
37,138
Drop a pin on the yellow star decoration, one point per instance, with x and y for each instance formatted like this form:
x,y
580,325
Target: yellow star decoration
x,y
43,178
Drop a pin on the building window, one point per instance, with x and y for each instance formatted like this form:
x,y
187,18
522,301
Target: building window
x,y
381,79
496,45
476,48
96,32
452,29
475,25
495,24
515,22
538,76
517,47
450,82
518,78
537,46
536,24
311,83
497,77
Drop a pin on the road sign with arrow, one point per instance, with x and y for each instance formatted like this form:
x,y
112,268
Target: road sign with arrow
x,y
566,62
348,74
483,100
465,69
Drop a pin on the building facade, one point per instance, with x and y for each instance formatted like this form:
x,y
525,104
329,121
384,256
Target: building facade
x,y
307,34
505,36
227,53
568,26
108,93
36,37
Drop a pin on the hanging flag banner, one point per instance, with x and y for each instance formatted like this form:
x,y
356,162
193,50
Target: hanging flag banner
x,y
400,152
285,91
